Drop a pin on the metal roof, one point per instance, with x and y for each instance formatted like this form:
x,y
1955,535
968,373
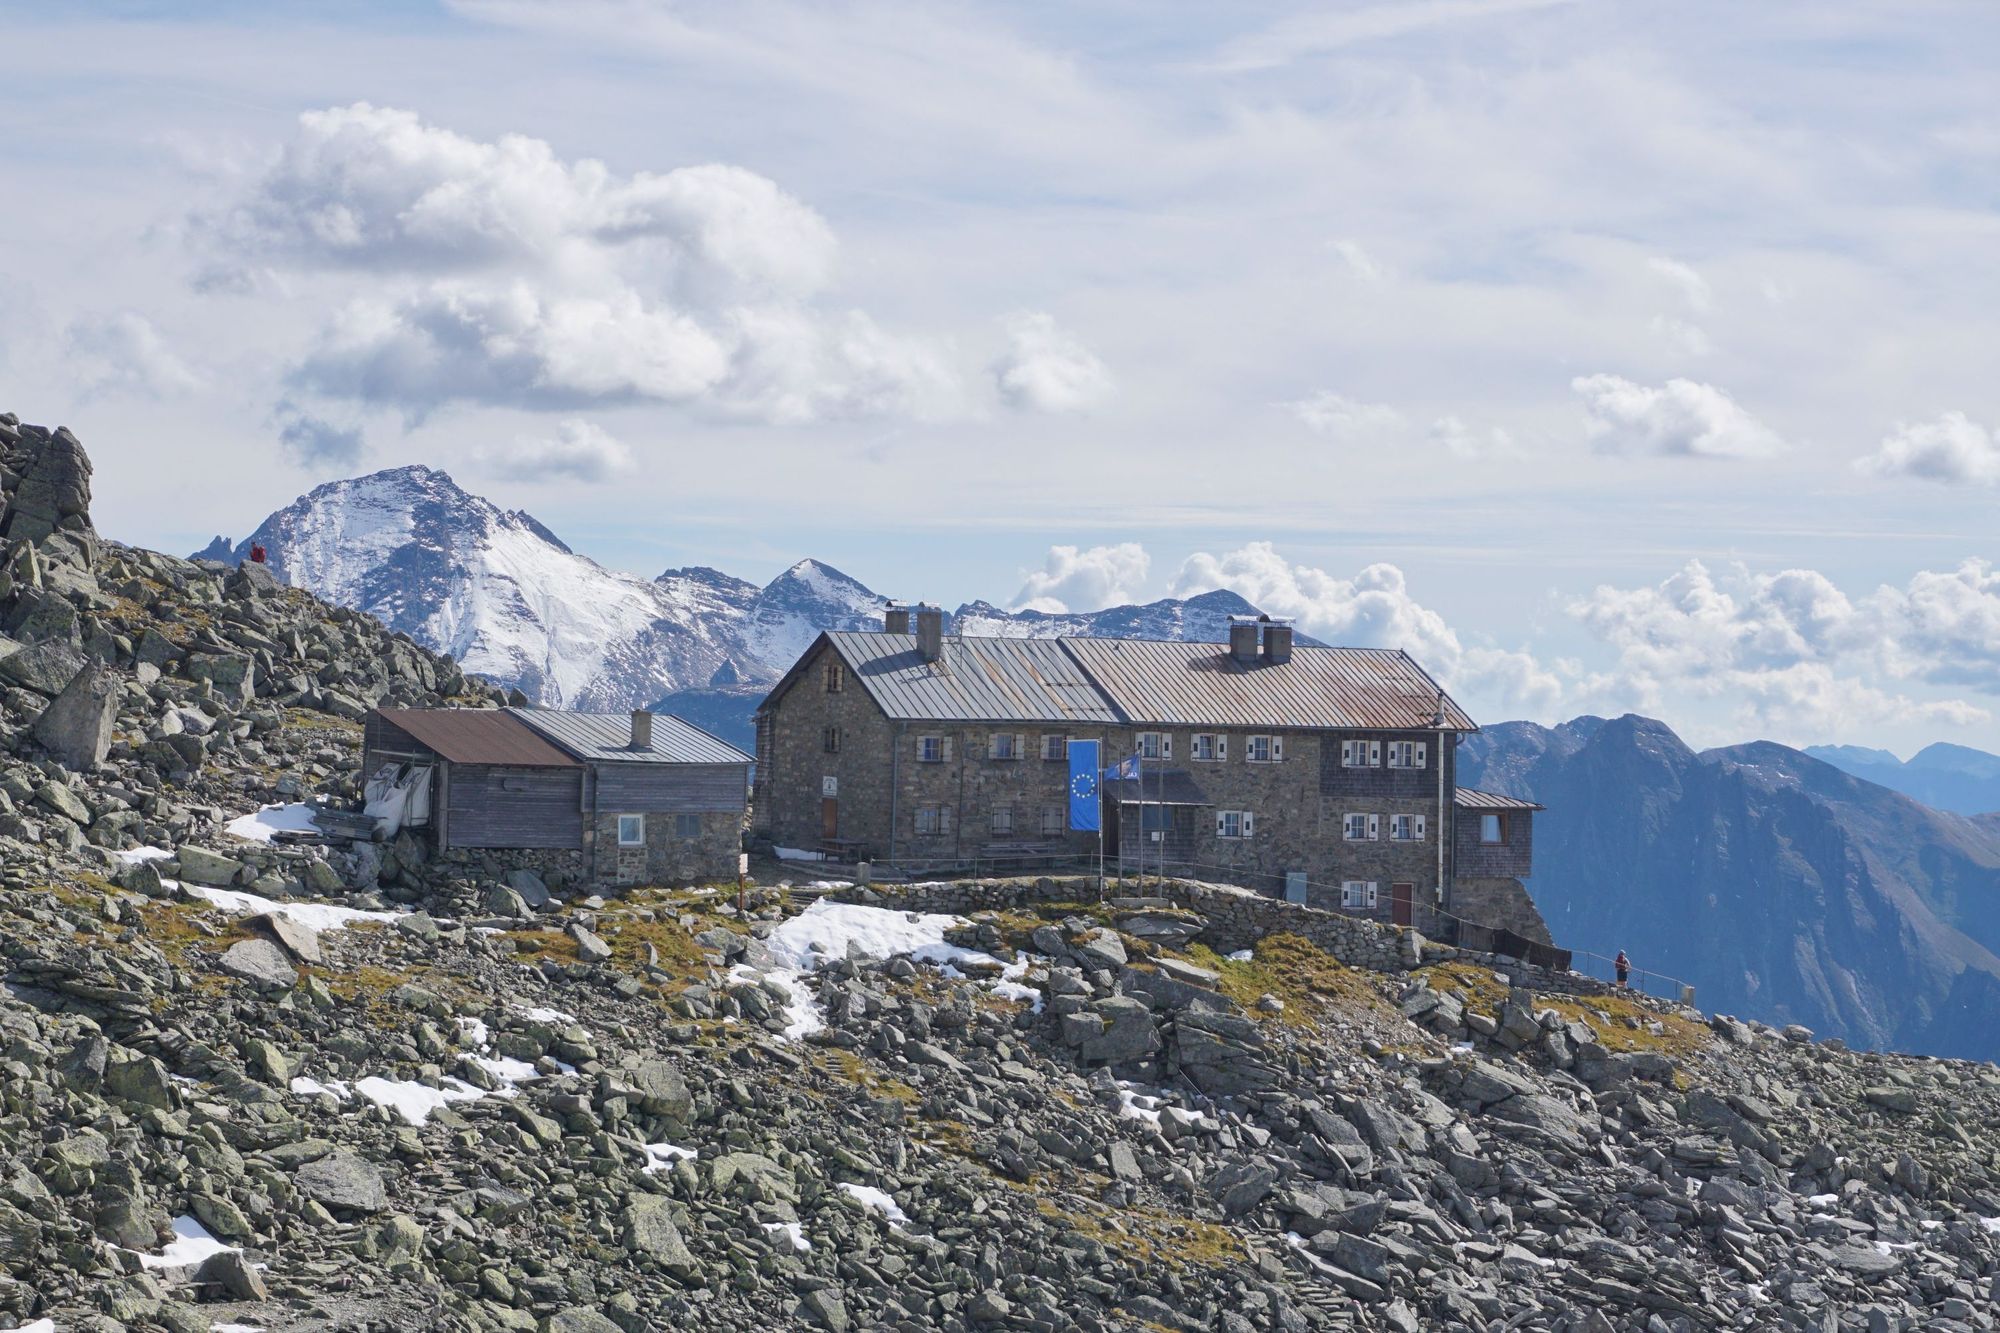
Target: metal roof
x,y
606,738
477,736
1468,799
1168,683
1172,786
975,680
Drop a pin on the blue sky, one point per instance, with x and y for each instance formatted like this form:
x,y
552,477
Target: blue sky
x,y
1604,355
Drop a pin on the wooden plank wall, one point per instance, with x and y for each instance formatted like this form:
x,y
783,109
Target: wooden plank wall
x,y
644,789
492,806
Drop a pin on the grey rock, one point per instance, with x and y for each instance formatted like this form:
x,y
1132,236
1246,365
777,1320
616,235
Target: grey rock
x,y
77,727
261,963
343,1181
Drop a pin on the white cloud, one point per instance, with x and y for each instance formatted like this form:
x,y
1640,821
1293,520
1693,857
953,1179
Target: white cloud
x,y
1359,260
1048,369
1954,448
123,353
1331,414
314,442
1373,609
578,451
1794,653
1694,288
505,276
1079,580
1681,419
1685,338
1468,442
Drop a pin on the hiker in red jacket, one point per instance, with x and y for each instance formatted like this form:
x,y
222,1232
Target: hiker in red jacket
x,y
257,553
1624,966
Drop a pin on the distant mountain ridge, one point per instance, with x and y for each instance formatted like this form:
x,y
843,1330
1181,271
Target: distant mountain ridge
x,y
1783,887
1944,776
511,601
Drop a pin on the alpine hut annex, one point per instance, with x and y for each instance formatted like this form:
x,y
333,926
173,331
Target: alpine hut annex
x,y
591,798
1323,773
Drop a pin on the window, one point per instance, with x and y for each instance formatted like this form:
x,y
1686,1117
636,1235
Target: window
x,y
631,830
1055,747
1406,828
1156,818
1006,745
1358,893
1361,827
836,675
1360,754
1264,749
1407,754
1003,821
1493,828
1156,745
832,740
687,827
933,749
933,821
1208,748
1234,823
1054,820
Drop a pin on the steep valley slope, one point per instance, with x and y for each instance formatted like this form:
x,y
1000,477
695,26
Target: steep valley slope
x,y
248,1082
1779,885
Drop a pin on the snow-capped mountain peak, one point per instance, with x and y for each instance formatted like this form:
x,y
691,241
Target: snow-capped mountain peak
x,y
499,591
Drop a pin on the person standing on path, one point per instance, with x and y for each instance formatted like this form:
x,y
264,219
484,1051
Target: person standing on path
x,y
1624,966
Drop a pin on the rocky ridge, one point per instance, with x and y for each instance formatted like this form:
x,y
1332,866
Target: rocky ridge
x,y
251,1083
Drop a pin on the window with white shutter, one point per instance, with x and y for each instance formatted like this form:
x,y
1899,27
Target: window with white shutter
x,y
1152,745
930,749
1234,823
1358,894
1053,820
1008,745
1374,827
1202,747
1166,745
1354,827
1055,747
1420,828
1249,824
1262,749
1003,820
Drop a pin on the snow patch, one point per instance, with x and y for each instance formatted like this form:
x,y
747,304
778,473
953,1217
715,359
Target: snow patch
x,y
260,825
875,1199
797,854
39,1326
1241,956
318,916
192,1243
416,1101
537,1014
792,1232
661,1156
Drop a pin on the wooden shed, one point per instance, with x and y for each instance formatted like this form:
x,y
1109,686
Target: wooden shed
x,y
643,798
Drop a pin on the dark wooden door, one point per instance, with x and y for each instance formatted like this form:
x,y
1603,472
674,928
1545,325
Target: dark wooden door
x,y
829,817
1400,897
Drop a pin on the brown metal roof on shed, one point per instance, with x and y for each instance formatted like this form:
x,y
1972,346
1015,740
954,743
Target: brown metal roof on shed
x,y
1170,683
477,736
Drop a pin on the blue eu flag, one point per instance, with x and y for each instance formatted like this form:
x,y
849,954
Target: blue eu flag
x,y
1083,785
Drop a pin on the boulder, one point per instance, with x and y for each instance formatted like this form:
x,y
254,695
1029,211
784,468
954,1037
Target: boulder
x,y
54,491
650,1229
201,866
342,1180
77,727
300,941
261,963
45,668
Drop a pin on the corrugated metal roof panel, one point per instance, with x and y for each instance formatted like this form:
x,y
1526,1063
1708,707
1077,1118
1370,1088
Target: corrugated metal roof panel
x,y
1469,799
976,680
477,736
1165,683
607,738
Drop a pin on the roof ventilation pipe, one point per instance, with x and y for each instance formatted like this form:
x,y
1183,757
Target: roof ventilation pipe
x,y
930,632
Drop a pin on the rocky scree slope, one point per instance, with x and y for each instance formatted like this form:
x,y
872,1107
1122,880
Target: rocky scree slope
x,y
247,1083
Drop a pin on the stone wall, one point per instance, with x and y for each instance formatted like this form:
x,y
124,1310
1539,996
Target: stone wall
x,y
667,857
558,867
1502,904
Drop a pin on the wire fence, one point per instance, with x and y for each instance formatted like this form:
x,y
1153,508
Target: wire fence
x,y
1032,858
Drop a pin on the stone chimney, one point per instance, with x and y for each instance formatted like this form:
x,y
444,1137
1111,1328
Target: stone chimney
x,y
1277,643
896,619
1243,641
642,729
930,632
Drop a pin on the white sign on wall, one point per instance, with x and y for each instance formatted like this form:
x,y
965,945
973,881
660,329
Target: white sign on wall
x,y
829,786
